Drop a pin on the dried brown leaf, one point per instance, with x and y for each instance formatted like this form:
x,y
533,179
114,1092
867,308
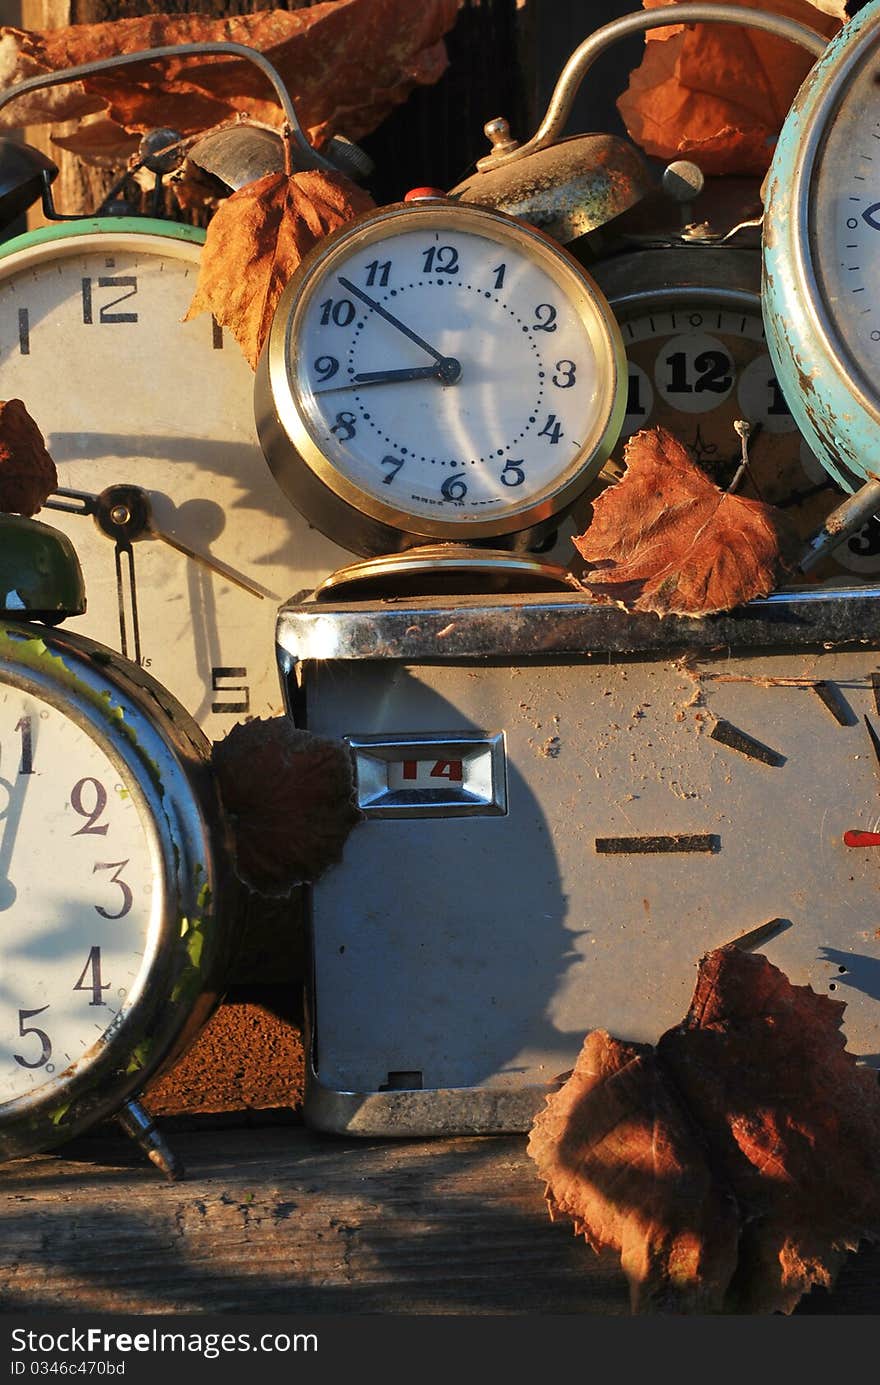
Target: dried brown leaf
x,y
255,241
666,539
346,64
719,94
289,796
734,1165
622,1158
27,472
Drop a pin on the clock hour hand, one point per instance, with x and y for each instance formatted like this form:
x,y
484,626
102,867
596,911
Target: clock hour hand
x,y
447,371
389,317
125,514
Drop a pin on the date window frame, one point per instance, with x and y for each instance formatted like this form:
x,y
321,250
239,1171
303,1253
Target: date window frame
x,y
479,791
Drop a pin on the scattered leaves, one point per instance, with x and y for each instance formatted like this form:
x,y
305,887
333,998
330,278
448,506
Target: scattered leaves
x,y
666,539
256,239
346,64
719,94
734,1165
27,472
290,798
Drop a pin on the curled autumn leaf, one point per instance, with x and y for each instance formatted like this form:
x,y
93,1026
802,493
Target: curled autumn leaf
x,y
27,472
719,94
346,64
734,1165
257,238
666,539
290,799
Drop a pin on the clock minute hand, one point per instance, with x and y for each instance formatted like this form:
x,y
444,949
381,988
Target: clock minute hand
x,y
395,321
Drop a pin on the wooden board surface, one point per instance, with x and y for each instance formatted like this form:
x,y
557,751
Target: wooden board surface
x,y
280,1220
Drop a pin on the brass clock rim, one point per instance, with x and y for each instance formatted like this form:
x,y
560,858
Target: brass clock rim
x,y
436,560
161,764
280,351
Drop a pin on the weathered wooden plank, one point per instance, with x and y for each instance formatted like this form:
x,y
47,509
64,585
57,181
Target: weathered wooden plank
x,y
282,1220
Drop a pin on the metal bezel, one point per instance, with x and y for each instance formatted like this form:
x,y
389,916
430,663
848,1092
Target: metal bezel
x,y
161,756
339,507
799,310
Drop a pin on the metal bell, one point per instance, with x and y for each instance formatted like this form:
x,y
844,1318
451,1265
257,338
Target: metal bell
x,y
240,154
40,575
566,189
24,172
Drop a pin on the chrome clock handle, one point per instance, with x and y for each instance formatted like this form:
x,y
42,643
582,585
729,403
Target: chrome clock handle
x,y
506,151
178,50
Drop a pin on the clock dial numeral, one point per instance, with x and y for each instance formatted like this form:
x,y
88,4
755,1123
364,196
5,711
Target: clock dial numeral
x,y
24,332
345,426
396,463
78,803
127,896
727,734
552,429
440,259
94,983
45,1043
565,374
240,704
105,315
513,473
545,318
454,487
711,369
499,271
340,312
326,367
377,273
25,727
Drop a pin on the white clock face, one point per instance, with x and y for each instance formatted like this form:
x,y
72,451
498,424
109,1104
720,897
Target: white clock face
x,y
124,392
78,908
448,366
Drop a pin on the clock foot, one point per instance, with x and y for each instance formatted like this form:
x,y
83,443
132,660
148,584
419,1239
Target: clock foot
x,y
136,1122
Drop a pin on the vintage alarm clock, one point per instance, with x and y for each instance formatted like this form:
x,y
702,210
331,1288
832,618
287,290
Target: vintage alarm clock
x,y
821,221
117,902
438,373
187,543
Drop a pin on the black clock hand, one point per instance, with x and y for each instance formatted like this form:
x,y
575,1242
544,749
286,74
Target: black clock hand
x,y
125,513
395,321
447,371
11,818
126,586
875,740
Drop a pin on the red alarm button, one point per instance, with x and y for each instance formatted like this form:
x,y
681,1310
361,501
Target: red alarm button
x,y
424,194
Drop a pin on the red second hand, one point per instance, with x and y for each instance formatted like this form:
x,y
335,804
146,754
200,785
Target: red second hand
x,y
853,838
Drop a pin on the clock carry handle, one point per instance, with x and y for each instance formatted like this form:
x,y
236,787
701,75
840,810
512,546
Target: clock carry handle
x,y
179,50
507,151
